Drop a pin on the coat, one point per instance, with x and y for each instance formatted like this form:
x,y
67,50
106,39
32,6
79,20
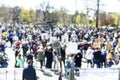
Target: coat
x,y
29,73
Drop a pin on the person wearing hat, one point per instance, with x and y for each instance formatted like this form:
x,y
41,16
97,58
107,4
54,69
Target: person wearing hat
x,y
29,73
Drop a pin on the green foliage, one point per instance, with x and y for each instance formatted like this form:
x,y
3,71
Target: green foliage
x,y
27,15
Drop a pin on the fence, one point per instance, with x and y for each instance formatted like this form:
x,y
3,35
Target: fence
x,y
85,74
99,74
10,74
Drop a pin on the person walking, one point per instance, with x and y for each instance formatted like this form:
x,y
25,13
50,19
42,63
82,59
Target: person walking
x,y
29,73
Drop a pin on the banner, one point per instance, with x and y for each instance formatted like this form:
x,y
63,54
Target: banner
x,y
64,38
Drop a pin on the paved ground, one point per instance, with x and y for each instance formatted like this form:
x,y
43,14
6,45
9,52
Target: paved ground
x,y
44,74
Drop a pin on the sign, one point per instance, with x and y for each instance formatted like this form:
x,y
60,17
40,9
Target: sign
x,y
65,38
71,48
52,39
100,40
108,46
96,45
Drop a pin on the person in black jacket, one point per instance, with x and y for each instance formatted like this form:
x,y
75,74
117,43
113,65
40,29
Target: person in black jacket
x,y
78,59
29,73
97,57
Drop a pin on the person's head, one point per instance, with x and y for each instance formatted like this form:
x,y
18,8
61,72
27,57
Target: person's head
x,y
30,62
19,56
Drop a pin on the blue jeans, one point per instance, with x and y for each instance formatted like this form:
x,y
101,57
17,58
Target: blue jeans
x,y
97,62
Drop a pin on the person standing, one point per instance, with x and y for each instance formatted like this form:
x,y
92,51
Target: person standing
x,y
89,56
97,57
72,67
29,73
41,57
78,59
20,62
49,56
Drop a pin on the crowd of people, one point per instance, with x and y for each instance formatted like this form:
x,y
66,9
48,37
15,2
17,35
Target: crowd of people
x,y
38,47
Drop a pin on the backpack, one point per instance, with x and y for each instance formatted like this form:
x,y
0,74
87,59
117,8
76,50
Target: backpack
x,y
68,65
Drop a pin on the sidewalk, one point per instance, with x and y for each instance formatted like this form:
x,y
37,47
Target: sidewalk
x,y
47,74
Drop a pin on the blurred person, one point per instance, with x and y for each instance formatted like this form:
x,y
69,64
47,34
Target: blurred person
x,y
29,56
34,50
25,48
41,56
20,62
29,73
89,56
78,59
17,51
104,54
63,53
110,59
97,57
10,37
20,34
71,66
55,60
49,56
44,41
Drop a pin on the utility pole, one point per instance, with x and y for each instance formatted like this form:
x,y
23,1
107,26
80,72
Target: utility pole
x,y
97,12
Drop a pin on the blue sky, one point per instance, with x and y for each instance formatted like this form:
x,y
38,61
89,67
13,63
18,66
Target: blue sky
x,y
71,5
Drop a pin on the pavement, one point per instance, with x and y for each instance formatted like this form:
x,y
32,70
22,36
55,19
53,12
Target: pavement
x,y
42,74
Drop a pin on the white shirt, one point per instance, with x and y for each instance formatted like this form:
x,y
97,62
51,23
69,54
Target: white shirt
x,y
89,54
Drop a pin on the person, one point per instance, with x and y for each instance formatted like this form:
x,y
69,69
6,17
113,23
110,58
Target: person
x,y
63,53
104,54
110,59
78,59
34,50
17,51
20,62
25,49
97,57
29,73
88,56
72,67
49,56
40,52
29,56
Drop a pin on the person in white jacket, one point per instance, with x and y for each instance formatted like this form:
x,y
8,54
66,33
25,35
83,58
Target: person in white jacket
x,y
89,57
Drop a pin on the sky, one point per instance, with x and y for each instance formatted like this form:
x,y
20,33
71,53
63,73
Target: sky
x,y
70,5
